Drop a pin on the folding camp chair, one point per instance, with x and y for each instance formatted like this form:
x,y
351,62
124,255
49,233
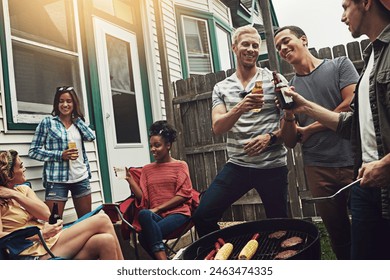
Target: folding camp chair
x,y
12,244
124,212
130,227
15,242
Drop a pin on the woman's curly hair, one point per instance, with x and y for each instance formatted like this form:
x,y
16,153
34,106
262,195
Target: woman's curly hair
x,y
164,129
7,163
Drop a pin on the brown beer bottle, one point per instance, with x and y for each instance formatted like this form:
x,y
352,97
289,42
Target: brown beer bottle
x,y
54,214
285,102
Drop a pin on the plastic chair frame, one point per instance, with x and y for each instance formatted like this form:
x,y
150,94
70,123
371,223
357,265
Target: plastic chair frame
x,y
21,235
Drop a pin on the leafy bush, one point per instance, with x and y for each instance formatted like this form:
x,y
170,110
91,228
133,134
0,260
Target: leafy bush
x,y
326,248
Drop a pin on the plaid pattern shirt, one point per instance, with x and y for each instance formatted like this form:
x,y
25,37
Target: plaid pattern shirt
x,y
50,140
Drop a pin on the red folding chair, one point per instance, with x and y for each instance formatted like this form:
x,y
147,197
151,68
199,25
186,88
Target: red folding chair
x,y
128,214
125,211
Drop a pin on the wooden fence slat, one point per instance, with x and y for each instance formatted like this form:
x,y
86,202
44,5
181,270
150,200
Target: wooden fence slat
x,y
325,53
192,97
355,55
364,43
313,51
354,52
338,51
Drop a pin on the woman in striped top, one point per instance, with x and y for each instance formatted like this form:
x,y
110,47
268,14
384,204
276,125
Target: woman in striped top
x,y
164,191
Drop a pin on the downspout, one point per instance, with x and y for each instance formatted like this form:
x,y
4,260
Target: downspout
x,y
253,12
165,74
269,34
177,150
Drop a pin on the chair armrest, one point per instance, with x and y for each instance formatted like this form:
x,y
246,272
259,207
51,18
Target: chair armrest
x,y
115,214
18,241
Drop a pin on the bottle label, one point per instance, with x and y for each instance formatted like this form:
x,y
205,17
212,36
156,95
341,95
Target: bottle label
x,y
288,99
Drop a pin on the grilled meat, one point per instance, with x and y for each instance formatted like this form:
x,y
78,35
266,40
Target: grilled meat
x,y
277,234
285,254
291,242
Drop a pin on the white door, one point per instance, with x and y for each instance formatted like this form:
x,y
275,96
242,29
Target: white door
x,y
122,101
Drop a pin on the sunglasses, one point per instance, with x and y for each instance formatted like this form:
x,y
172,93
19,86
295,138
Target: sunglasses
x,y
64,88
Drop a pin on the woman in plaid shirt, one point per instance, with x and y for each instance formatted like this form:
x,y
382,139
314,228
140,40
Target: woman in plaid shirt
x,y
65,168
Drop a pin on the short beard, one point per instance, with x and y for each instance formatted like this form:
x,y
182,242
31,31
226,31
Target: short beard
x,y
356,35
248,66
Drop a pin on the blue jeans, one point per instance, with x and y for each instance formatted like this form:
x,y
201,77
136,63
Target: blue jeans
x,y
59,191
233,182
155,228
370,232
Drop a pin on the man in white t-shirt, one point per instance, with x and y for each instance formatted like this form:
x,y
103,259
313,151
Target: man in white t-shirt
x,y
368,127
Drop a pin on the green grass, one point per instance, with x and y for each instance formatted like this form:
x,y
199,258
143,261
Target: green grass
x,y
326,249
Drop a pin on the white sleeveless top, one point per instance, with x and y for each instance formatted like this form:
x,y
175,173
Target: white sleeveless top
x,y
77,168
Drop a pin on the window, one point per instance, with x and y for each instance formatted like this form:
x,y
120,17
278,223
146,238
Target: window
x,y
224,48
122,9
123,91
197,46
205,42
43,53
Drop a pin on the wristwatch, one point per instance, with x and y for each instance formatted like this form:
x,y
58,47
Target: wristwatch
x,y
273,138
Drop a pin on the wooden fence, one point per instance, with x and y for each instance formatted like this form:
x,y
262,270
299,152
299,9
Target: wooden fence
x,y
206,153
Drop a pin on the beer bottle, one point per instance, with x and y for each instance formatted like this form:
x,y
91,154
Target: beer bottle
x,y
286,102
54,214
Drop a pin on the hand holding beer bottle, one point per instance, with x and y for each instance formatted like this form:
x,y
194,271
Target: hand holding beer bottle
x,y
258,89
285,102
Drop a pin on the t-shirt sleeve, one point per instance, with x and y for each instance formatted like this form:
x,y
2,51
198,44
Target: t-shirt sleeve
x,y
184,184
216,97
347,72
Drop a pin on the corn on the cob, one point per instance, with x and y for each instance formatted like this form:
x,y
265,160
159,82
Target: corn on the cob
x,y
249,250
224,252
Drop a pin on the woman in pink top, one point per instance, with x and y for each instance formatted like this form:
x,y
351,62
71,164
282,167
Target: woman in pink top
x,y
164,191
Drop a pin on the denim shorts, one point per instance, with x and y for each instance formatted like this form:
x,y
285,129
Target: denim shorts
x,y
59,191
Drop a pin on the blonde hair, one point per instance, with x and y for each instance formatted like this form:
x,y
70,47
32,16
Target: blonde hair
x,y
247,29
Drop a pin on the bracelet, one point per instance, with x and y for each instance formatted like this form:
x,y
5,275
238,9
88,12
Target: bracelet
x,y
289,120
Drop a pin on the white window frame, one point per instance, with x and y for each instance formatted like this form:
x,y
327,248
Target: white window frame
x,y
219,30
197,55
36,118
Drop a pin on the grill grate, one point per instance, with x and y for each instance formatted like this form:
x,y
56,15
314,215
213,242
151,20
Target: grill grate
x,y
268,247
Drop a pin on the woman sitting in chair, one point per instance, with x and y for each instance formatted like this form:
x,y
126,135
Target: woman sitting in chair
x,y
92,238
164,191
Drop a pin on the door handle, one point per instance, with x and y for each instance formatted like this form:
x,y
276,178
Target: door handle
x,y
107,115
